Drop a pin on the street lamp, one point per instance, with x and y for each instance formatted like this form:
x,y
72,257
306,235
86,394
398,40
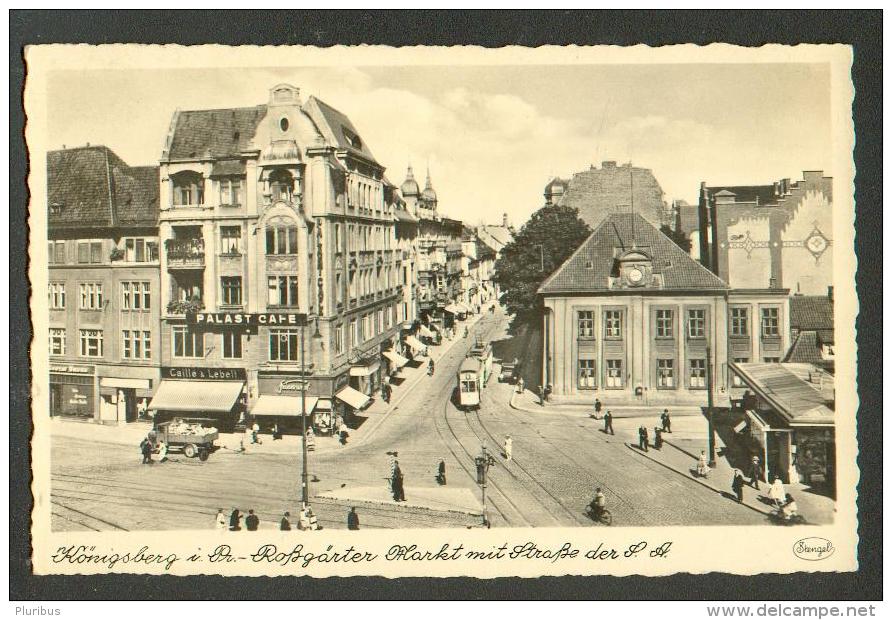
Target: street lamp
x,y
483,463
709,407
305,486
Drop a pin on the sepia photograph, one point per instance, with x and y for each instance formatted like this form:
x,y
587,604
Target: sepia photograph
x,y
321,291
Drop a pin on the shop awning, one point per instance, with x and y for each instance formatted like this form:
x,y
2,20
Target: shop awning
x,y
465,307
274,404
424,331
398,360
415,343
365,371
218,396
454,309
354,398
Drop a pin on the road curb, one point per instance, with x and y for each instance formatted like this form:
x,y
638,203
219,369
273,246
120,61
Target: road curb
x,y
689,477
421,507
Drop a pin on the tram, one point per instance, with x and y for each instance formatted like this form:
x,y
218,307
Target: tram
x,y
469,384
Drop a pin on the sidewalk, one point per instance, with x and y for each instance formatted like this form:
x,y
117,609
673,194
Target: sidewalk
x,y
529,402
441,499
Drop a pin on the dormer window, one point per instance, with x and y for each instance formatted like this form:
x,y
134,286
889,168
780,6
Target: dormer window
x,y
352,138
188,189
56,208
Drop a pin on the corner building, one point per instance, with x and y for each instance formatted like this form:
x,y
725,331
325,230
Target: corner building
x,y
274,211
630,315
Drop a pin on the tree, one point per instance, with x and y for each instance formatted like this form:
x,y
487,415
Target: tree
x,y
542,245
680,239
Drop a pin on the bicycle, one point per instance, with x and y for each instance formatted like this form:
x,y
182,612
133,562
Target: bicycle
x,y
603,515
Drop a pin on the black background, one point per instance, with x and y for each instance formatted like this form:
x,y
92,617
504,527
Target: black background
x,y
862,29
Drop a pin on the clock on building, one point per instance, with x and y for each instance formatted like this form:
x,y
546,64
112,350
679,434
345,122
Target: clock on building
x,y
635,267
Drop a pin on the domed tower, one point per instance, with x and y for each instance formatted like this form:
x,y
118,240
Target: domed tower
x,y
429,195
410,191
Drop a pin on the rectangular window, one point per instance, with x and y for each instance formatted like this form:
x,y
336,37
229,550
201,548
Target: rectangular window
x,y
770,323
231,240
232,345
282,290
339,339
231,191
585,323
140,250
665,373
136,344
354,333
56,252
696,323
389,316
91,296
281,240
366,328
91,343
136,296
771,360
740,322
57,295
57,341
736,381
284,345
188,342
614,373
664,324
380,321
231,287
698,373
586,375
613,324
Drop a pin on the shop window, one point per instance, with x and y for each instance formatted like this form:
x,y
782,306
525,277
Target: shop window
x,y
232,345
614,373
284,345
770,323
664,324
56,295
188,189
91,295
586,374
91,343
231,240
585,324
281,240
57,341
187,343
613,324
665,373
698,373
740,322
136,344
696,323
231,287
136,295
282,290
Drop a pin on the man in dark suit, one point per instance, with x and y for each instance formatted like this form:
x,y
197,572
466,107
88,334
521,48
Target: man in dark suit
x,y
251,521
608,423
352,519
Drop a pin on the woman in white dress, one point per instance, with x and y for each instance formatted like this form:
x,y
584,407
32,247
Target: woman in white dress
x,y
777,493
702,465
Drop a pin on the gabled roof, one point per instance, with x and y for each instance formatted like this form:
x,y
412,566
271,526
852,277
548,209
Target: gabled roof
x,y
500,234
93,187
337,128
813,313
805,350
765,194
589,268
221,133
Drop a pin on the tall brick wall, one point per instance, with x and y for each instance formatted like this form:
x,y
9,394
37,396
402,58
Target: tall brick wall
x,y
598,192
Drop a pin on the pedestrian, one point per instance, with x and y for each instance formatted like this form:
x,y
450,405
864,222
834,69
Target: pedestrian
x,y
396,483
541,391
352,519
235,520
441,472
548,389
277,432
520,385
308,520
311,440
255,432
285,523
146,448
777,492
737,485
343,434
597,408
220,520
251,521
384,392
608,423
508,446
643,440
755,472
162,451
702,465
667,421
249,434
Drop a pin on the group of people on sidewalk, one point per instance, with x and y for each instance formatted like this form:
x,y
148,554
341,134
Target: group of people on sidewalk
x,y
306,520
151,445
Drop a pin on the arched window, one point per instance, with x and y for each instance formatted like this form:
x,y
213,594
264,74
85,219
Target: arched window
x,y
281,185
188,189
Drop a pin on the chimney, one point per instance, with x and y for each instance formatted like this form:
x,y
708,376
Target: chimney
x,y
504,220
772,282
830,293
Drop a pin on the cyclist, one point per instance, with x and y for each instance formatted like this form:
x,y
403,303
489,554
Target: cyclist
x,y
430,367
598,504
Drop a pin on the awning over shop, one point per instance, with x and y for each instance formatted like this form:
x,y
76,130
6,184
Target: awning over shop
x,y
219,396
415,343
454,309
424,331
274,404
365,371
398,360
465,307
786,388
354,398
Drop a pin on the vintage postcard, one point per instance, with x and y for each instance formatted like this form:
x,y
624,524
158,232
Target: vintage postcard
x,y
442,311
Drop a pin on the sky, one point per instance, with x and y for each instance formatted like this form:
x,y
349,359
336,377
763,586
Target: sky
x,y
493,136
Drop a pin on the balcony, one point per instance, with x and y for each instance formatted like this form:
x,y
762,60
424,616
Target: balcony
x,y
185,306
185,253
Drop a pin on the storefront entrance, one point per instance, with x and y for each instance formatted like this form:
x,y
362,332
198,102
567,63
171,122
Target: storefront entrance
x,y
72,395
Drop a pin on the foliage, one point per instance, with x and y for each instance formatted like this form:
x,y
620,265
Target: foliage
x,y
678,237
116,254
542,245
185,306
